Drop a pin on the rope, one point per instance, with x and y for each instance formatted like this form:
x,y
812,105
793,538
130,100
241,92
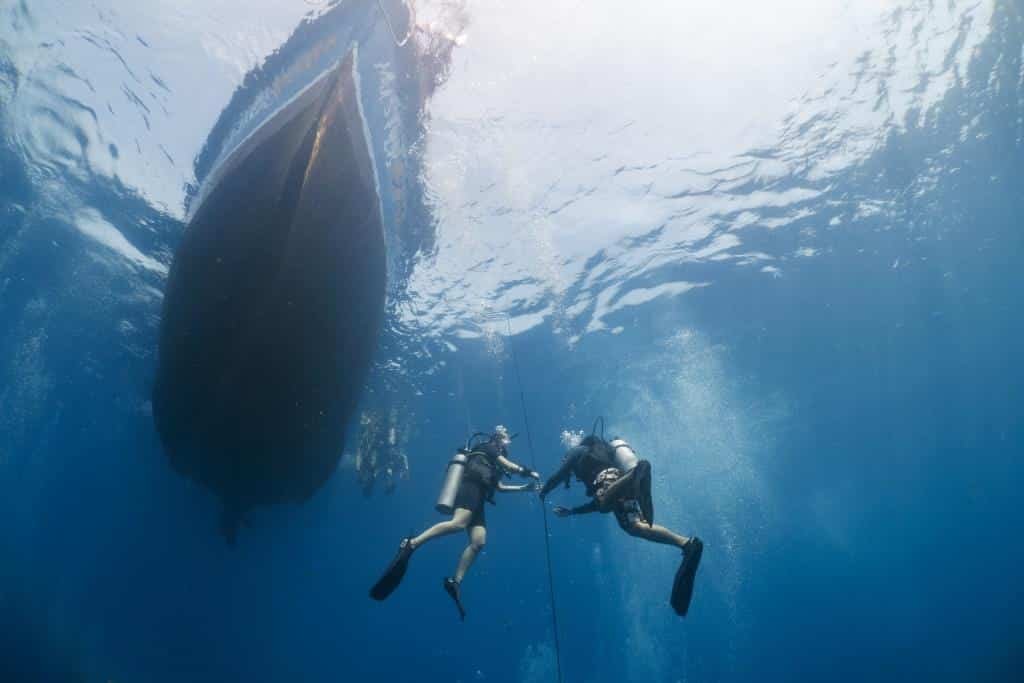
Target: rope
x,y
543,508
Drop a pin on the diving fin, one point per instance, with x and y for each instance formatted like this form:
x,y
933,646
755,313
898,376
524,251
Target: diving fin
x,y
451,586
682,588
393,575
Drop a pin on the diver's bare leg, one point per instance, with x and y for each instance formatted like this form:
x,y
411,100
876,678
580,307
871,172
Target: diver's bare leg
x,y
458,522
656,533
477,539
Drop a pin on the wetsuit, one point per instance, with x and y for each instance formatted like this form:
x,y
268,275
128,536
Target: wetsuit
x,y
480,481
614,477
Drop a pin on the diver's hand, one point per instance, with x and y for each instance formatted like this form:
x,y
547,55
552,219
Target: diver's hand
x,y
529,474
561,511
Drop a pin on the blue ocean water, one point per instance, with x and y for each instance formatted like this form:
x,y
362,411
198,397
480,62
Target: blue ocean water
x,y
775,245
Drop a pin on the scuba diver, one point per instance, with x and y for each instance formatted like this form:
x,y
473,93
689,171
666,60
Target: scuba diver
x,y
473,475
396,462
380,455
619,482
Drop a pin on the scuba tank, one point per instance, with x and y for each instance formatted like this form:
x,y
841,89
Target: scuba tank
x,y
624,456
456,471
452,479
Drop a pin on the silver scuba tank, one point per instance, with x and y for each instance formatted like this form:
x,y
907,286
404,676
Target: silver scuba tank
x,y
452,479
624,455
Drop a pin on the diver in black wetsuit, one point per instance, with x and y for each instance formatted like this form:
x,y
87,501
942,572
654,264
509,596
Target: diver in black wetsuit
x,y
485,465
619,482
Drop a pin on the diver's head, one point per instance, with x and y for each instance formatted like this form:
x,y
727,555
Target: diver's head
x,y
501,436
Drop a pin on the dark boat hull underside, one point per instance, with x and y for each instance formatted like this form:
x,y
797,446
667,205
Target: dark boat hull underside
x,y
273,305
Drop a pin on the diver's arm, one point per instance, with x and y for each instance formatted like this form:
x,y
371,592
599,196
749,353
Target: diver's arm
x,y
563,473
512,467
514,488
579,510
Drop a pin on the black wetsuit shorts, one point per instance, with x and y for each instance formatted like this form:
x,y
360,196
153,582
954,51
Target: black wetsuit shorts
x,y
471,496
628,512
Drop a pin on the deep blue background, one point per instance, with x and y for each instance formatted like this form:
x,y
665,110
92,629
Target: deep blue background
x,y
867,528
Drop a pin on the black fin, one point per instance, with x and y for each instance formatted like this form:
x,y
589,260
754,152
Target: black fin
x,y
682,588
451,587
393,575
642,487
